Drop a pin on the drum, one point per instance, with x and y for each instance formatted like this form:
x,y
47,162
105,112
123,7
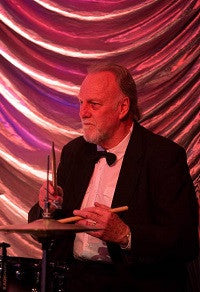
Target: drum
x,y
24,275
21,275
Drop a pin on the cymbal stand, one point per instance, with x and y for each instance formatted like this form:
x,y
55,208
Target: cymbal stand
x,y
45,241
45,265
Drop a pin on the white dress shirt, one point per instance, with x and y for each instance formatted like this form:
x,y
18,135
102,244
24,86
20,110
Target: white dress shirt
x,y
100,189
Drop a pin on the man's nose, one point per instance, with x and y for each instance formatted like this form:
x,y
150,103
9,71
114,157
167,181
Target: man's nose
x,y
84,111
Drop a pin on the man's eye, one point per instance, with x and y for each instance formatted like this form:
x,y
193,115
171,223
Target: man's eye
x,y
95,105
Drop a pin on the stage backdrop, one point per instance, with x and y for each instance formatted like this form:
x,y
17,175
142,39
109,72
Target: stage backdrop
x,y
46,47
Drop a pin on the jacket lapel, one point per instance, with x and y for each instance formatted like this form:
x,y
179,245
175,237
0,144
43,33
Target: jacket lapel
x,y
84,173
130,169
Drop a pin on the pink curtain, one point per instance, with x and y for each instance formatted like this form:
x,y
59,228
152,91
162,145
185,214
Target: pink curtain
x,y
46,47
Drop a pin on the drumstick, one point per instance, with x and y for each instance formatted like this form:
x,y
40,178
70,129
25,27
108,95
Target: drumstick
x,y
46,200
77,218
54,179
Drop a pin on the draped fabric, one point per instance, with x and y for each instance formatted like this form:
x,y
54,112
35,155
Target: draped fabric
x,y
46,47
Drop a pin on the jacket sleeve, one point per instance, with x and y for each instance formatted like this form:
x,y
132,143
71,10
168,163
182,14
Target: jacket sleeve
x,y
172,234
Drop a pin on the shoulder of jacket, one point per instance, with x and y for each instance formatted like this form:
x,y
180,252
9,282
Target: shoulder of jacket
x,y
78,144
156,143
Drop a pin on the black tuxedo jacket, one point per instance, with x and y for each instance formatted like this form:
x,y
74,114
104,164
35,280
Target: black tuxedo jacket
x,y
154,182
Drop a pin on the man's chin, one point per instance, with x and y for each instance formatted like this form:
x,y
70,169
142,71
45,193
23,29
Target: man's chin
x,y
91,139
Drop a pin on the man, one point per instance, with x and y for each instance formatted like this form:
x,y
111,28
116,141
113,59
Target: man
x,y
145,248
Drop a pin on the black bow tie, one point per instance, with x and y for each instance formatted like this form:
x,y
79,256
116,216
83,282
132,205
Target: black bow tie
x,y
110,157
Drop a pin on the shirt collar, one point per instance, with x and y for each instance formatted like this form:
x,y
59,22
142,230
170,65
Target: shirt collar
x,y
120,148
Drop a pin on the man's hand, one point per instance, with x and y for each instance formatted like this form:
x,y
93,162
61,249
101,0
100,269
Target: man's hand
x,y
55,198
113,228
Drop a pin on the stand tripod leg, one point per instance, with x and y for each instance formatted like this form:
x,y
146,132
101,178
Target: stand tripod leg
x,y
45,283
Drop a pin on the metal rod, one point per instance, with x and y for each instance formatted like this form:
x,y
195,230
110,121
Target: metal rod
x,y
46,213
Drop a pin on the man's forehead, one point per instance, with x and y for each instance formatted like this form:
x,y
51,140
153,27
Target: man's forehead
x,y
99,81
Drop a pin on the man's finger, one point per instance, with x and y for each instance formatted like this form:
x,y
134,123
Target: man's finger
x,y
101,206
93,210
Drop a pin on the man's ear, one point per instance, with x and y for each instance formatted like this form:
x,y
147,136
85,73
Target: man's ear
x,y
124,107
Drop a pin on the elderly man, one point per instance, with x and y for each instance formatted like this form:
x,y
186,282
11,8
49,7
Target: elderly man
x,y
118,162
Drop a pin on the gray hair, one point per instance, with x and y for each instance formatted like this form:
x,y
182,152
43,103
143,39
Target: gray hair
x,y
125,82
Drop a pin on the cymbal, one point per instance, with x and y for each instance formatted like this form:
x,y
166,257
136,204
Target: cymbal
x,y
46,227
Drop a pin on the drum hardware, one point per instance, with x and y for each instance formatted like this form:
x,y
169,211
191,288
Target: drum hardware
x,y
23,274
59,272
44,229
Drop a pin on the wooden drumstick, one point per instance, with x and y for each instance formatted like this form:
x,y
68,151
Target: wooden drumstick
x,y
54,177
77,218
